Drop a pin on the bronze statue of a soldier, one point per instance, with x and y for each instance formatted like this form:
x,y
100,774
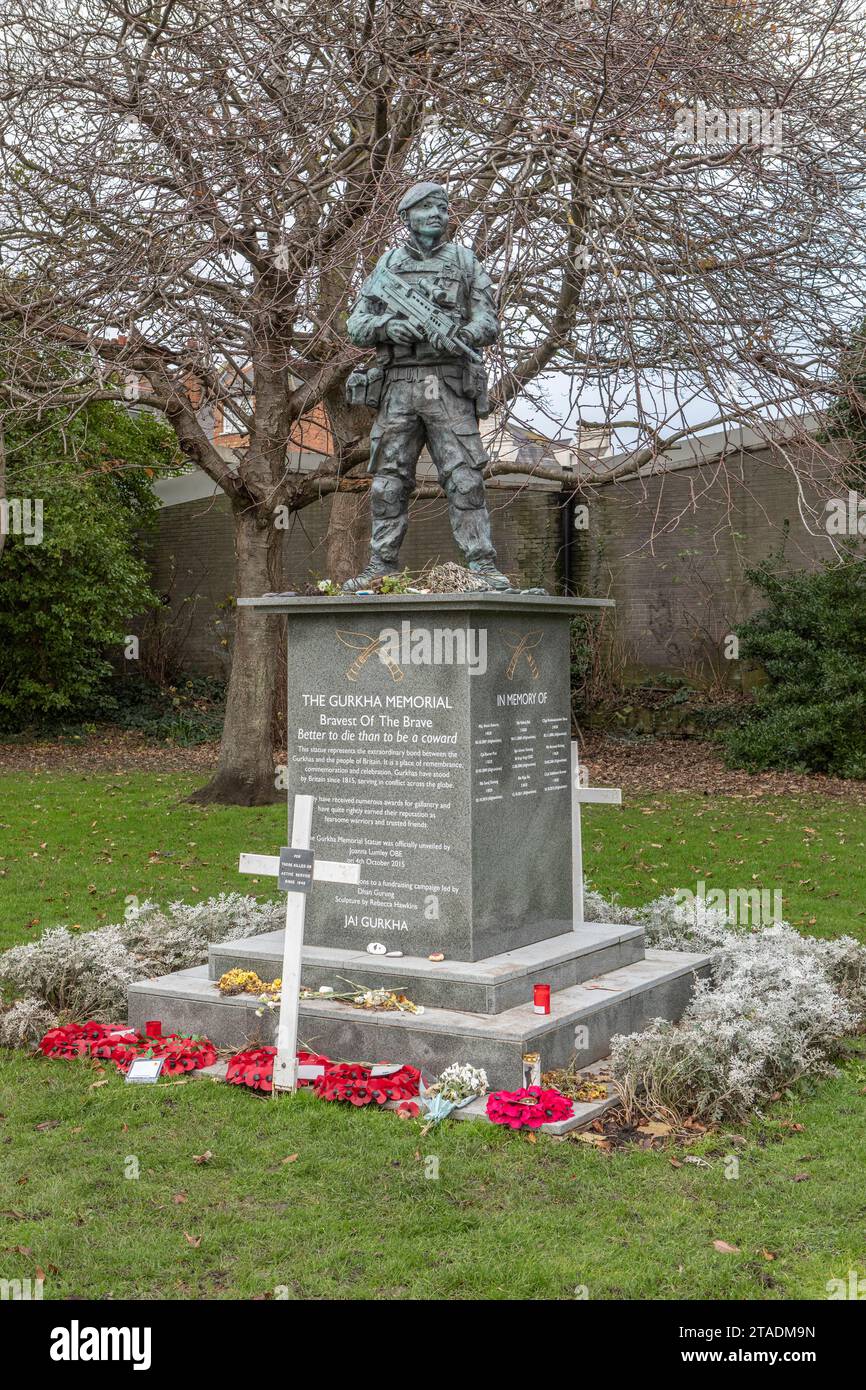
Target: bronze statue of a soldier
x,y
428,310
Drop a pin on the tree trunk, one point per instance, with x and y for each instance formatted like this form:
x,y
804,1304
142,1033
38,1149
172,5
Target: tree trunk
x,y
348,538
277,585
347,543
245,772
2,481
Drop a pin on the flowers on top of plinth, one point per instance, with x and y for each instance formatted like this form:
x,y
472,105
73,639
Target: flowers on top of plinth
x,y
248,982
389,1000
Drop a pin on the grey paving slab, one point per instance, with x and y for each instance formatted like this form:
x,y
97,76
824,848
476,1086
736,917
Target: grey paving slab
x,y
584,1111
355,603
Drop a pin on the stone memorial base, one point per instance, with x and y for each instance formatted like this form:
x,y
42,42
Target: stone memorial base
x,y
434,733
604,982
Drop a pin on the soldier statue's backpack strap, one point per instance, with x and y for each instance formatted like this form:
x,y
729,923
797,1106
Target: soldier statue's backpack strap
x,y
385,351
474,376
466,262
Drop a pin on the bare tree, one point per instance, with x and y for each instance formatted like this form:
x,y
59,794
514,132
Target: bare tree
x,y
2,486
194,189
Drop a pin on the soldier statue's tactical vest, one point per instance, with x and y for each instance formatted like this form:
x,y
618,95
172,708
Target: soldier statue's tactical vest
x,y
446,279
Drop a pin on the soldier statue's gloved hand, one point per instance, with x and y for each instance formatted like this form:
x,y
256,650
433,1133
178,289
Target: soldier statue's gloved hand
x,y
437,341
401,331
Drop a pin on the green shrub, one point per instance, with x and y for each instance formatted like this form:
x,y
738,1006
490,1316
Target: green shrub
x,y
188,712
596,664
810,640
65,602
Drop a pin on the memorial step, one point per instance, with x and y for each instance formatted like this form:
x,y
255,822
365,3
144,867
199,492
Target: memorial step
x,y
486,986
620,1001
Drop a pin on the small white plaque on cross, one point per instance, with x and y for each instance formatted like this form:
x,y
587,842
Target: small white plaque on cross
x,y
324,870
581,794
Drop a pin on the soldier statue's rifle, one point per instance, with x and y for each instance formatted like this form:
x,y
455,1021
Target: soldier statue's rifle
x,y
421,312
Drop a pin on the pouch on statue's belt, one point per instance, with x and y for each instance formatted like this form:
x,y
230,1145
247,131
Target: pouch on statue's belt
x,y
475,388
364,387
423,354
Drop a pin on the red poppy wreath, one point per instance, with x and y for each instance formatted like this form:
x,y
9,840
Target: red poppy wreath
x,y
114,1042
529,1108
339,1080
356,1084
255,1067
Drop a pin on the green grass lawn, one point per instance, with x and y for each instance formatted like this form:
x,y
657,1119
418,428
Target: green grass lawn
x,y
110,1201
812,851
75,848
355,1214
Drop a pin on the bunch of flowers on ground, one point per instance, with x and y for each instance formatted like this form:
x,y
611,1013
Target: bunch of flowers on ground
x,y
455,1087
461,1082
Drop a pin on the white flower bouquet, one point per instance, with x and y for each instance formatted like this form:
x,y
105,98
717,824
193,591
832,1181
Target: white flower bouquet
x,y
461,1082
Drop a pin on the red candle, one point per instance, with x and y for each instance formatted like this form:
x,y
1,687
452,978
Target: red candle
x,y
153,1029
541,999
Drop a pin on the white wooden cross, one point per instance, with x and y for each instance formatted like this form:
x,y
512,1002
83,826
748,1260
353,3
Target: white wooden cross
x,y
327,870
581,794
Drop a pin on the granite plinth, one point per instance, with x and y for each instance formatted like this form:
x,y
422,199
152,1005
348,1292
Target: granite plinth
x,y
434,732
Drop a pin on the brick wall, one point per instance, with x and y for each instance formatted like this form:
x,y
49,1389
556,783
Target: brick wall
x,y
672,551
192,556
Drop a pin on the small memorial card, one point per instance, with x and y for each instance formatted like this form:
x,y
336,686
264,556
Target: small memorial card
x,y
296,870
310,1071
144,1071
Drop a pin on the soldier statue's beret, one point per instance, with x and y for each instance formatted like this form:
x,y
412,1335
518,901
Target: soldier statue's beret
x,y
417,192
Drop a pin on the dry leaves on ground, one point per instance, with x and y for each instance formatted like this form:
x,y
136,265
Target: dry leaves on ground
x,y
639,765
689,765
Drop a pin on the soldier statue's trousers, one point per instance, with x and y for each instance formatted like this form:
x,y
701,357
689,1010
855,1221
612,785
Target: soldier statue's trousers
x,y
424,405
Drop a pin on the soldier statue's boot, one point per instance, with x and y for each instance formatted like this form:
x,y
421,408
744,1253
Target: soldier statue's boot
x,y
375,568
486,569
